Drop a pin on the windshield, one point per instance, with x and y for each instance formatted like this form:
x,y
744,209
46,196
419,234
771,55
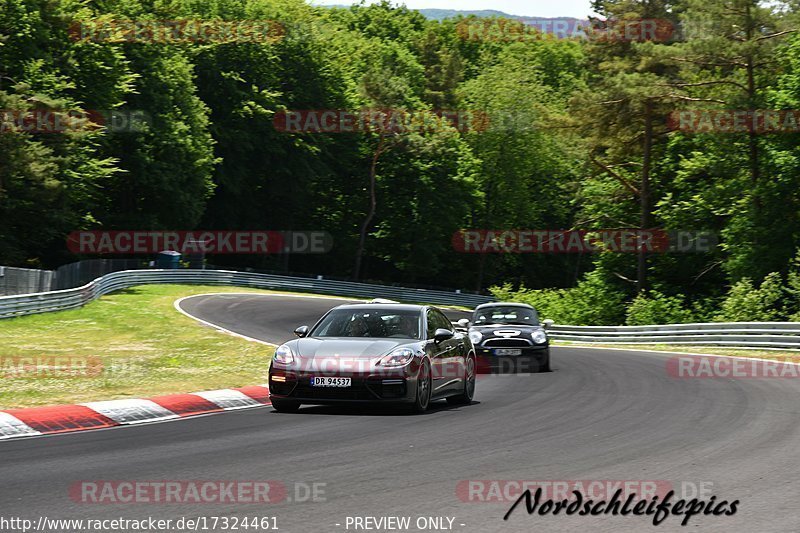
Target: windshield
x,y
506,315
376,323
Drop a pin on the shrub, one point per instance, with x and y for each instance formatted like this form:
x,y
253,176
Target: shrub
x,y
793,297
592,302
792,308
656,308
746,303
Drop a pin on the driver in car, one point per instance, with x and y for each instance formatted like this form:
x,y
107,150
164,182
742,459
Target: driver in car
x,y
359,327
408,326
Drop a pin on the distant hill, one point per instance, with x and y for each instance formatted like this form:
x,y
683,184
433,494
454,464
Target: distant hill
x,y
441,14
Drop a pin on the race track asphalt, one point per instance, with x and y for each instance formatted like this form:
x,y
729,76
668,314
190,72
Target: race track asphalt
x,y
600,415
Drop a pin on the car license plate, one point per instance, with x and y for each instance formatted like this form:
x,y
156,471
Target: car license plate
x,y
330,382
508,351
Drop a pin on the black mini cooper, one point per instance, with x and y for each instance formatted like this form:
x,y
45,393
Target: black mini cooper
x,y
508,338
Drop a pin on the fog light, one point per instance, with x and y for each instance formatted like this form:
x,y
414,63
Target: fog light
x,y
393,388
279,379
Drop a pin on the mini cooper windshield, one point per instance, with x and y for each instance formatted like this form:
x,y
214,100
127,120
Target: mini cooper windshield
x,y
374,323
506,315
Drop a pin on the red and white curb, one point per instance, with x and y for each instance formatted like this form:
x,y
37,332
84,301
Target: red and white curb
x,y
37,421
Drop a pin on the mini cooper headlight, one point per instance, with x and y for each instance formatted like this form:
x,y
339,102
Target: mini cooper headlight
x,y
475,337
283,355
399,357
539,337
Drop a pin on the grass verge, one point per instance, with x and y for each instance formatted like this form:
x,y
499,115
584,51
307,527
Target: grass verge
x,y
133,343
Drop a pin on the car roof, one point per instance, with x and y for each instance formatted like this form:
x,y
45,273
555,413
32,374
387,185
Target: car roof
x,y
504,304
384,307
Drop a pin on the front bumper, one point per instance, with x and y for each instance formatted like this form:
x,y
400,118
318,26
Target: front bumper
x,y
530,359
382,387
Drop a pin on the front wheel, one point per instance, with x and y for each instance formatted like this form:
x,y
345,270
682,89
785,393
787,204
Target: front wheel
x,y
465,398
424,386
285,406
544,365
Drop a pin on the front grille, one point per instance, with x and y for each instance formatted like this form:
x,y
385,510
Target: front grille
x,y
507,343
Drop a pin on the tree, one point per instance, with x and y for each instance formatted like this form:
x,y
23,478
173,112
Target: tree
x,y
625,109
729,61
527,161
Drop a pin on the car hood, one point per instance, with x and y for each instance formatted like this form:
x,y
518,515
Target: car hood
x,y
315,348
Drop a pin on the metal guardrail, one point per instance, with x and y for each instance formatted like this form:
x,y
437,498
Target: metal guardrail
x,y
43,302
738,334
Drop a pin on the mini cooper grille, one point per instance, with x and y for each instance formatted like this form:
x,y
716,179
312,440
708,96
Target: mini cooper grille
x,y
507,343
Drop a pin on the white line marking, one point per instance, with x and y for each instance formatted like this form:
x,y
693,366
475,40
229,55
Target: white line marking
x,y
177,306
228,398
11,426
131,411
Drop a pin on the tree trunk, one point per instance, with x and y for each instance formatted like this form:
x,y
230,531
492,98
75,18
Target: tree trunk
x,y
373,204
481,269
645,195
751,101
488,216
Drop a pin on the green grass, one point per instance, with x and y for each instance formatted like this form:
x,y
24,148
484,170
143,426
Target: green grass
x,y
778,355
147,348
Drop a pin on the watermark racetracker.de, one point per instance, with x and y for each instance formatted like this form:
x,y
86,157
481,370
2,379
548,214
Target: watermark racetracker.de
x,y
67,366
759,121
722,367
177,31
385,121
197,491
531,29
50,367
582,241
74,120
200,241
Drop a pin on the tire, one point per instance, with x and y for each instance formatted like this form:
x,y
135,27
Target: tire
x,y
544,366
285,406
465,398
424,385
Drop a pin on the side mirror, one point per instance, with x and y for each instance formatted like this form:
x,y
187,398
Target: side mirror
x,y
302,331
442,334
464,322
547,323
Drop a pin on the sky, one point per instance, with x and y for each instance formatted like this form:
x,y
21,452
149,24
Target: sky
x,y
525,8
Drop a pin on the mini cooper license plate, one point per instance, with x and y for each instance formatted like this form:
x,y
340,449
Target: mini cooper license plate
x,y
331,382
508,351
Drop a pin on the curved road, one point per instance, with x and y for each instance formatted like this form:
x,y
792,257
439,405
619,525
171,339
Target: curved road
x,y
601,415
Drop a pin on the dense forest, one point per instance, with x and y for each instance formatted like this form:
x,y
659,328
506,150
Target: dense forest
x,y
577,132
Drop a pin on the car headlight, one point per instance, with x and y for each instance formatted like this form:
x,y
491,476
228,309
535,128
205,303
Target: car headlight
x,y
539,337
475,337
399,357
283,355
